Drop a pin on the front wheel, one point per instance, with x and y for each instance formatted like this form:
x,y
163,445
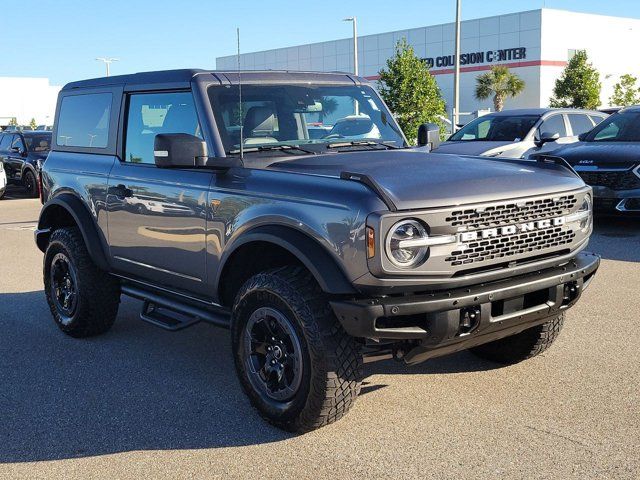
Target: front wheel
x,y
523,345
30,183
298,366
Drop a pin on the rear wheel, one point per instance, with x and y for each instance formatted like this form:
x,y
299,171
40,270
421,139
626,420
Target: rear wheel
x,y
298,366
524,345
83,299
30,183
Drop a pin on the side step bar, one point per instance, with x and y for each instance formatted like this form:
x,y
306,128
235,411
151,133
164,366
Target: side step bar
x,y
172,314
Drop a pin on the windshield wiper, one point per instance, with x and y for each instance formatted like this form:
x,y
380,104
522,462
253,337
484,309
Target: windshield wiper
x,y
269,148
362,143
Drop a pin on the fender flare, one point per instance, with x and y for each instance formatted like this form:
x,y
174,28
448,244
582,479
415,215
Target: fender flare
x,y
308,251
83,220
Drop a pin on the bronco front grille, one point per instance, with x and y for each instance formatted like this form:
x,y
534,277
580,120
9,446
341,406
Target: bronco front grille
x,y
513,212
615,180
511,246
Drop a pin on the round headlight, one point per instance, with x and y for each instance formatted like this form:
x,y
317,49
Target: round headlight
x,y
587,206
399,250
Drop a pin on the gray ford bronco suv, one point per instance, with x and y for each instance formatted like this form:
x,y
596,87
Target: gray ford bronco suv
x,y
289,207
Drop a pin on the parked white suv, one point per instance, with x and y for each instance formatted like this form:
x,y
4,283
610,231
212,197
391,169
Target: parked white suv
x,y
519,133
3,180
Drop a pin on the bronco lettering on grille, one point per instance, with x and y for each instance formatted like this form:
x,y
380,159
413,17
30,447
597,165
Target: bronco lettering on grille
x,y
512,229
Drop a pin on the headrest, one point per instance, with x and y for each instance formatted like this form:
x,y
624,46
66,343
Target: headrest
x,y
259,121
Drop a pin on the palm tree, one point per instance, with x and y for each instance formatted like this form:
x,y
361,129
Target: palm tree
x,y
329,105
500,83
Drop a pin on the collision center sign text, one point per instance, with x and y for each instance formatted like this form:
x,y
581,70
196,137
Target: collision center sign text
x,y
490,56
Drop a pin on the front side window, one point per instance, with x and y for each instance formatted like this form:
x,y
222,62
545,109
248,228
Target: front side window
x,y
84,120
496,128
300,115
619,127
553,127
17,143
152,113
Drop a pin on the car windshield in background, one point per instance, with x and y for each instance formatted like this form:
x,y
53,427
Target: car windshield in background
x,y
620,127
496,128
38,143
301,116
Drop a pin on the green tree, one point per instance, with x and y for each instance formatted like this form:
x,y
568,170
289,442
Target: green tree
x,y
625,92
579,86
33,124
13,122
499,83
329,105
411,92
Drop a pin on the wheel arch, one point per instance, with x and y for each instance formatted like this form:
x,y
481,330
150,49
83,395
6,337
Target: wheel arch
x,y
67,210
271,246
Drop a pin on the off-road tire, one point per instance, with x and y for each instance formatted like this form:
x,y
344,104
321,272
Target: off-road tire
x,y
30,183
98,294
332,372
524,345
2,192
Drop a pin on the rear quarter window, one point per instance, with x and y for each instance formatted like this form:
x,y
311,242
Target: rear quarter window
x,y
84,120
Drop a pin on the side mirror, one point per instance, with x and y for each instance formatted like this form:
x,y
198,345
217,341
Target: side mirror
x,y
546,137
583,136
179,150
18,150
429,134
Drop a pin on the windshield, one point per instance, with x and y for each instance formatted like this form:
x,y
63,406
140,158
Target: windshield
x,y
38,143
620,127
497,128
301,115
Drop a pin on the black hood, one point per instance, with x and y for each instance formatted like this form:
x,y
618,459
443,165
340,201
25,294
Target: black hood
x,y
600,153
414,180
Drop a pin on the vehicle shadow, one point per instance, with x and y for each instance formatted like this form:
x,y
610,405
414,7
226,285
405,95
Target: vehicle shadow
x,y
14,193
135,388
616,238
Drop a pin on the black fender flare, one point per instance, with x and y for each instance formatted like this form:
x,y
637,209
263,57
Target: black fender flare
x,y
83,220
28,166
309,252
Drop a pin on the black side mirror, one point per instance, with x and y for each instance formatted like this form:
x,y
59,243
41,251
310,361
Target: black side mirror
x,y
583,136
546,137
179,150
429,134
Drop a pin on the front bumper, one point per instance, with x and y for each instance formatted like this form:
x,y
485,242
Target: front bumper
x,y
448,321
607,200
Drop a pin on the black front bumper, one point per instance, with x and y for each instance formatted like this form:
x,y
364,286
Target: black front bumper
x,y
448,321
607,200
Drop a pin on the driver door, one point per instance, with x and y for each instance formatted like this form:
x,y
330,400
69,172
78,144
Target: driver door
x,y
157,216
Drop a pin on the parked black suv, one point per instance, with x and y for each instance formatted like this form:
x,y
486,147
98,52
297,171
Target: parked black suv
x,y
204,195
22,154
608,159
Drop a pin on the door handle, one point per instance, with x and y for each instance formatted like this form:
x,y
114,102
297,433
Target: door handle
x,y
121,191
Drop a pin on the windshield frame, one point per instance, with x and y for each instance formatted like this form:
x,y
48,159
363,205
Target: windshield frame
x,y
320,145
534,116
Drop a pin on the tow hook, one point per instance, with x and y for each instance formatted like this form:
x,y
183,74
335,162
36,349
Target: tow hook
x,y
571,292
469,320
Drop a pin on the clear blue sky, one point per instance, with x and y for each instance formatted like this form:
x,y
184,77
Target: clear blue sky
x,y
60,39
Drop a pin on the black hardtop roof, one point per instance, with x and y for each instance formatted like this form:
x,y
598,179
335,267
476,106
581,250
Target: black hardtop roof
x,y
185,76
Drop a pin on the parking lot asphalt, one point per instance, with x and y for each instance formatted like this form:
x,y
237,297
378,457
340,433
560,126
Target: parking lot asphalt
x,y
140,402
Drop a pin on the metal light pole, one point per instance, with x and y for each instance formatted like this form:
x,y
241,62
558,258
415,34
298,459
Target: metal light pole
x,y
107,61
354,20
456,73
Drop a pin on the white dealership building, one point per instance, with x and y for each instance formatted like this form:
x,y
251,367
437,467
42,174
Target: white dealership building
x,y
535,44
26,98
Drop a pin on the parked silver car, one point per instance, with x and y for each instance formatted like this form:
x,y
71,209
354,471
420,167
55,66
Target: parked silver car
x,y
518,133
